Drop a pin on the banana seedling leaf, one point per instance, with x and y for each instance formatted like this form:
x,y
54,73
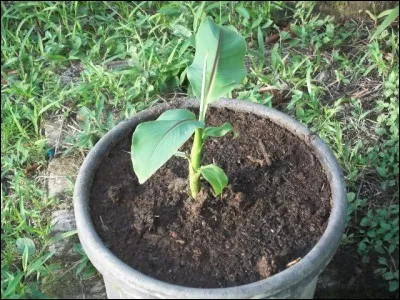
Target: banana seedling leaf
x,y
218,131
215,176
154,142
177,114
220,54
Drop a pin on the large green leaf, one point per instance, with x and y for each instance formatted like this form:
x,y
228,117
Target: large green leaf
x,y
220,53
215,176
154,142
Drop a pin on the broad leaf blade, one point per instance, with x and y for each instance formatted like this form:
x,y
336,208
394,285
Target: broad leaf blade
x,y
177,114
218,131
154,142
225,50
393,285
26,244
216,177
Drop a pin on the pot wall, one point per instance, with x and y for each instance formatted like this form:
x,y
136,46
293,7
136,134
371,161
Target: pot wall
x,y
124,282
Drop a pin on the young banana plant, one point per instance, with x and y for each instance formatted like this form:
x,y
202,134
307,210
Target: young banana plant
x,y
217,68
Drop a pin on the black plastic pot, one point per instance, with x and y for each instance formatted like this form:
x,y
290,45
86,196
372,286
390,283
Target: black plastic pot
x,y
298,281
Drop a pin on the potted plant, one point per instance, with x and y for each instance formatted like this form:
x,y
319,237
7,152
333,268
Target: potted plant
x,y
157,223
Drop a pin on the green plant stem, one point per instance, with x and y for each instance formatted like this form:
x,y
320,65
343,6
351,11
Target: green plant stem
x,y
194,165
195,155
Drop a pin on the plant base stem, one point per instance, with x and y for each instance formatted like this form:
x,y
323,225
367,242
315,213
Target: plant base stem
x,y
194,182
194,165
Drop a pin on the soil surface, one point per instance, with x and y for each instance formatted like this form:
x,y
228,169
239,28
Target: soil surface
x,y
273,212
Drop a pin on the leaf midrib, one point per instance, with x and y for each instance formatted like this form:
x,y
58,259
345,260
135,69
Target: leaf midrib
x,y
166,133
214,68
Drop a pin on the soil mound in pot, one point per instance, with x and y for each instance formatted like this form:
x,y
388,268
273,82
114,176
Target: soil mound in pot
x,y
273,212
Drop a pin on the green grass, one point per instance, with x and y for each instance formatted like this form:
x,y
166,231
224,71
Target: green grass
x,y
341,80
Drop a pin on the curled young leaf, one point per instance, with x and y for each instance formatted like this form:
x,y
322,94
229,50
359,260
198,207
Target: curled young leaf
x,y
216,177
218,131
224,50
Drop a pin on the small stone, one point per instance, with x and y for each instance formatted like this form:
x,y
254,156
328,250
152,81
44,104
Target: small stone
x,y
59,248
71,74
53,131
63,221
60,170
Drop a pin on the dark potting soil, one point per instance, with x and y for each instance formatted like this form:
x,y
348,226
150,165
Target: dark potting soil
x,y
273,212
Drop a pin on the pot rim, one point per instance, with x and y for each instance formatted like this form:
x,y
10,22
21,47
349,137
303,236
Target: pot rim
x,y
307,268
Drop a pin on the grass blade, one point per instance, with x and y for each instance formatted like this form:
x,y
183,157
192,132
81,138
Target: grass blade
x,y
385,24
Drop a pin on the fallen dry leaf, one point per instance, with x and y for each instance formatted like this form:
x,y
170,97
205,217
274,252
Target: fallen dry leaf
x,y
360,94
293,262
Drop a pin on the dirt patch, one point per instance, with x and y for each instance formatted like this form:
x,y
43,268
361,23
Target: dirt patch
x,y
66,285
346,277
273,212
